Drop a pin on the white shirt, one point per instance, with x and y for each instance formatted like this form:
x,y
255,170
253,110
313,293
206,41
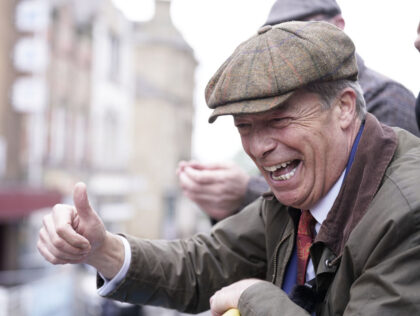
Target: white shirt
x,y
319,212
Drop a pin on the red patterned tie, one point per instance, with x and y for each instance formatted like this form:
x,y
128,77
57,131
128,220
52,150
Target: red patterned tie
x,y
305,237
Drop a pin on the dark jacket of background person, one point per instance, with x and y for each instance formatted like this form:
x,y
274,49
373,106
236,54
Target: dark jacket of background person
x,y
371,234
417,45
388,100
418,110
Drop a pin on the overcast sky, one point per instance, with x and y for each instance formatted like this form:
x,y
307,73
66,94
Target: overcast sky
x,y
383,31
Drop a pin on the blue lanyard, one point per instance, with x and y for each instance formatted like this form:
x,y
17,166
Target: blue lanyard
x,y
354,148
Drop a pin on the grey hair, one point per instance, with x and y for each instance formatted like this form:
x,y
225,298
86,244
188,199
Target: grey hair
x,y
329,90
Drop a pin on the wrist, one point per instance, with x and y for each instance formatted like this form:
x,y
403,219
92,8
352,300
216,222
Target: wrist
x,y
109,258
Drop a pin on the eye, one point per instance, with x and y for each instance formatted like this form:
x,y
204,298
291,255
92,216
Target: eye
x,y
280,122
243,127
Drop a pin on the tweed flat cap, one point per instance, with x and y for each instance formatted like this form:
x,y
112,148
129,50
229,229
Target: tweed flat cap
x,y
289,10
265,70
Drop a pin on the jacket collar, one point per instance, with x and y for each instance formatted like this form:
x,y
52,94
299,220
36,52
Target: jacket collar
x,y
375,151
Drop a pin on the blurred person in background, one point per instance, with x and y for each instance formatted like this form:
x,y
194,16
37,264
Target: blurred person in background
x,y
339,232
417,44
223,189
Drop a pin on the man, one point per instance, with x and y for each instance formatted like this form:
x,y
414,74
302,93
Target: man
x,y
223,189
333,170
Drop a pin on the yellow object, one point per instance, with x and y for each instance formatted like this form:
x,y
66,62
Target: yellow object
x,y
232,312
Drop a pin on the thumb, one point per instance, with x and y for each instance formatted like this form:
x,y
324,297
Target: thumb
x,y
81,200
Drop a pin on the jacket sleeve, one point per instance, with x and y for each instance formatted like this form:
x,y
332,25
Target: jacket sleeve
x,y
265,298
184,274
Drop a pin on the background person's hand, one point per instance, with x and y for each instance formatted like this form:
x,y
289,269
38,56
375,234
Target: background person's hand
x,y
417,41
217,188
228,297
76,234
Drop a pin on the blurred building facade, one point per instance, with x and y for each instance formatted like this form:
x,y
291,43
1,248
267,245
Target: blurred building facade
x,y
87,95
23,86
163,113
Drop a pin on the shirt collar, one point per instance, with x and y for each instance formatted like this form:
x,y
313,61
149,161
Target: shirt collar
x,y
320,210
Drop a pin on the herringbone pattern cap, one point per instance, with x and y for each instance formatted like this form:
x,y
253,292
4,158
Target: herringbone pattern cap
x,y
265,70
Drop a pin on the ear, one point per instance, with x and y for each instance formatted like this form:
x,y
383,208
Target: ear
x,y
338,21
347,107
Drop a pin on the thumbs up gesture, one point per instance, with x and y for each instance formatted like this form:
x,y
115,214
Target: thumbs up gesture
x,y
76,234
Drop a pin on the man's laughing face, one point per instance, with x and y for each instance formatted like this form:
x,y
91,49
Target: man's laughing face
x,y
299,148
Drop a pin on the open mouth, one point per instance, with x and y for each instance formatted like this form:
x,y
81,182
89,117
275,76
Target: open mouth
x,y
283,171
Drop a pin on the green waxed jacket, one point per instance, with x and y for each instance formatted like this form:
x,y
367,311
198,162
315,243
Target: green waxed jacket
x,y
366,254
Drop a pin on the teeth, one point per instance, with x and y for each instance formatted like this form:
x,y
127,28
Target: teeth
x,y
283,177
270,169
280,165
286,176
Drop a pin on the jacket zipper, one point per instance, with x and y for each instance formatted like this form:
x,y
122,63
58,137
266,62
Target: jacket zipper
x,y
275,262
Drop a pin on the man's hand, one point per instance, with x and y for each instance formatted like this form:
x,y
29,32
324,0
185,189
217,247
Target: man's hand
x,y
228,297
76,234
218,189
417,41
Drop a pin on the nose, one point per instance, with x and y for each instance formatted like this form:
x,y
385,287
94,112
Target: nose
x,y
261,144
